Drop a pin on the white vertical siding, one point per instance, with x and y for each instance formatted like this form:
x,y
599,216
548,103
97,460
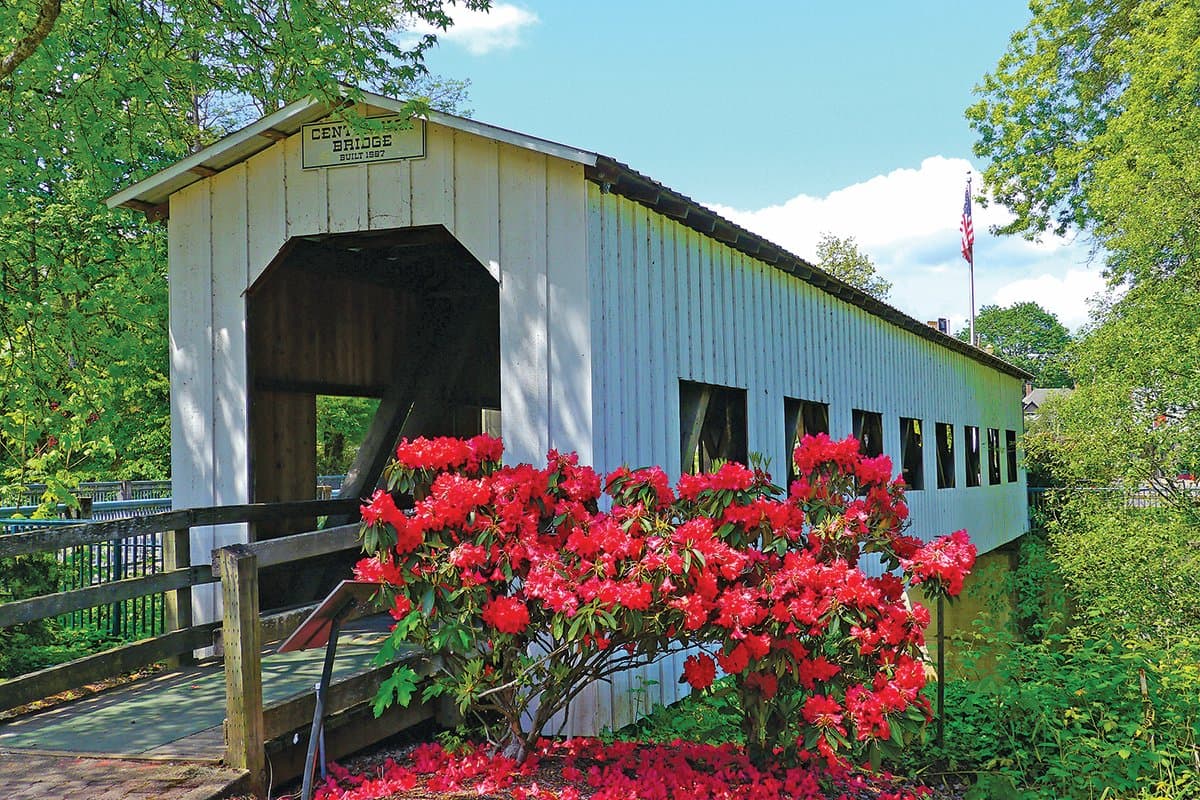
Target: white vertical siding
x,y
191,332
266,212
733,321
524,381
569,335
306,198
523,215
230,404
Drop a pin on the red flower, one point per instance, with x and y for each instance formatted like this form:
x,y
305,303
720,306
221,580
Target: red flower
x,y
732,476
401,608
735,661
816,669
877,470
765,683
946,561
382,508
699,671
378,570
506,614
823,711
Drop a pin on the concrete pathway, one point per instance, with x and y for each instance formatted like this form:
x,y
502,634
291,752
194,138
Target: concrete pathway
x,y
35,776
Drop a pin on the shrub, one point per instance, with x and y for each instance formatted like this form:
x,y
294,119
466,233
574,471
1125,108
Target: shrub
x,y
1129,567
1074,717
1065,706
528,592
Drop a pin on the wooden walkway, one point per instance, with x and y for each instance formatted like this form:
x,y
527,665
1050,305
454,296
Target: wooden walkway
x,y
178,714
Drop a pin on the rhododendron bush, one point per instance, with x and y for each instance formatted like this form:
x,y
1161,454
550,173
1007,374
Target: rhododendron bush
x,y
530,583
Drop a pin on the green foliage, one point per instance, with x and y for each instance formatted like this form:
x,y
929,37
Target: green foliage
x,y
115,92
1036,589
396,688
712,716
342,423
1067,717
1134,419
1074,705
26,648
46,642
1127,566
842,258
1089,122
1028,336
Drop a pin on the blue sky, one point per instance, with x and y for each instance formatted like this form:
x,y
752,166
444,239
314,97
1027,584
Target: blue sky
x,y
792,118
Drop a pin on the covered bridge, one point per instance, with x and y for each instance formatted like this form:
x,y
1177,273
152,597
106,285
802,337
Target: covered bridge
x,y
473,277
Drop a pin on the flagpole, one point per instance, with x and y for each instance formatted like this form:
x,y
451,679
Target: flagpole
x,y
971,263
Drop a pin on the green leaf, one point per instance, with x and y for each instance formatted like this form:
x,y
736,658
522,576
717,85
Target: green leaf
x,y
398,688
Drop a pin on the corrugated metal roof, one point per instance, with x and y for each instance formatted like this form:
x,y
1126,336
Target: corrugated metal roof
x,y
151,194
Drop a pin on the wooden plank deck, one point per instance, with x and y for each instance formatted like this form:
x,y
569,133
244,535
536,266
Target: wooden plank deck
x,y
178,714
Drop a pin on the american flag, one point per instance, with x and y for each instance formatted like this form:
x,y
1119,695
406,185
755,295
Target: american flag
x,y
968,229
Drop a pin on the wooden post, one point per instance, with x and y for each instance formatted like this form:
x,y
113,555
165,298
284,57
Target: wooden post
x,y
693,412
244,746
177,613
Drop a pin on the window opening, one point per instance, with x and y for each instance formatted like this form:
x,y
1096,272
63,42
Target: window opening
x,y
993,442
802,418
342,424
944,433
868,429
912,453
712,425
1010,446
971,437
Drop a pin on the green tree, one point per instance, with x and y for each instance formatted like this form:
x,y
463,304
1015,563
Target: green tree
x,y
94,97
842,258
342,424
1027,336
1090,122
1134,418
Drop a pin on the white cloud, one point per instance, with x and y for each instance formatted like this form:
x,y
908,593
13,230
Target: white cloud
x,y
907,220
1066,295
483,32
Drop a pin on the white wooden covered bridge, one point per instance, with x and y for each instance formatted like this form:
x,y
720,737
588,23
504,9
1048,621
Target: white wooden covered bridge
x,y
463,272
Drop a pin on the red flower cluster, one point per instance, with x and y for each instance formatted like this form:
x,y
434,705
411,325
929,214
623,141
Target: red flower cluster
x,y
945,561
523,583
506,614
447,453
699,671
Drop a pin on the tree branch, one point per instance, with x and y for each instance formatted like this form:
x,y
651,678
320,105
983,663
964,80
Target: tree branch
x,y
47,15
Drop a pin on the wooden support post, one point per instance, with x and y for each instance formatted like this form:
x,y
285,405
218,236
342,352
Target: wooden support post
x,y
377,445
693,413
244,745
177,613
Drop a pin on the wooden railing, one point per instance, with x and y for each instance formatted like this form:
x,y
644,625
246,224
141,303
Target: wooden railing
x,y
175,581
239,636
249,725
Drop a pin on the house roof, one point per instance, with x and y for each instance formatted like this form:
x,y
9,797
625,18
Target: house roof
x,y
151,195
1037,397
